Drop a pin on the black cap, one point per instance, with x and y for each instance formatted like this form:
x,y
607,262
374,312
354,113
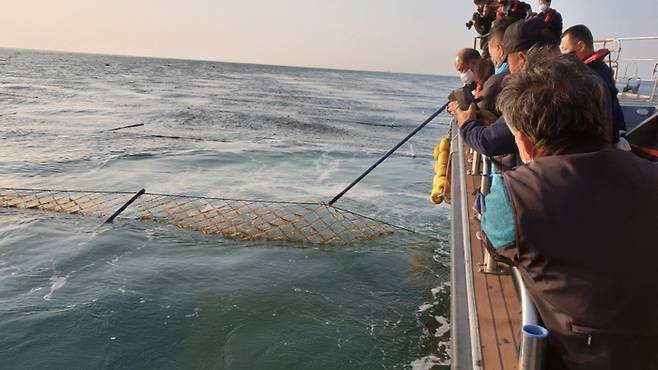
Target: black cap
x,y
523,35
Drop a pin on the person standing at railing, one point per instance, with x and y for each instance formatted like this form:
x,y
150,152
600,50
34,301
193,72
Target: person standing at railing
x,y
551,16
511,8
578,220
496,139
464,64
579,41
492,87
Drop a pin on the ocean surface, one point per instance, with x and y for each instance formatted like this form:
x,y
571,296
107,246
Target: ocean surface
x,y
75,294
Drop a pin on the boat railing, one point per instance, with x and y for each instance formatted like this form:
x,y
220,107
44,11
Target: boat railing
x,y
533,335
641,68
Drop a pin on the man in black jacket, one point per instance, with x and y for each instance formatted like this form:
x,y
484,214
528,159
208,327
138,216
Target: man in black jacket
x,y
551,16
579,40
494,84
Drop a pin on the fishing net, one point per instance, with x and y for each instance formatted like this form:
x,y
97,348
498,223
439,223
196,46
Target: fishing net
x,y
315,223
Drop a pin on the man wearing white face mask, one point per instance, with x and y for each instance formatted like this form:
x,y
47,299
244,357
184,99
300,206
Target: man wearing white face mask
x,y
550,16
464,62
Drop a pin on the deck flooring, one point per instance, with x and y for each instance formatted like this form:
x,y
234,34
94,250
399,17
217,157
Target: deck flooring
x,y
498,305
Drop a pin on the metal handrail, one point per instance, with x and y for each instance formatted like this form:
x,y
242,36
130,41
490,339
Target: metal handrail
x,y
529,312
654,75
533,338
616,49
476,349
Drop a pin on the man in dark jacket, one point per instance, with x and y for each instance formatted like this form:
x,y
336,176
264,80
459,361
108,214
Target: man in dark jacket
x,y
494,85
578,220
579,40
551,16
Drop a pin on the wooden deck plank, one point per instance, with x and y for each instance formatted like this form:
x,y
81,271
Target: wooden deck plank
x,y
498,306
505,325
513,306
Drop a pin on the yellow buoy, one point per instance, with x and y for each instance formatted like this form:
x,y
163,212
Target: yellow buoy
x,y
437,151
440,181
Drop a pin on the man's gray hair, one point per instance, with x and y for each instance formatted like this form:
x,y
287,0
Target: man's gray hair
x,y
558,103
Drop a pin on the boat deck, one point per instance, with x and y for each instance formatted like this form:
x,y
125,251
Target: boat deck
x,y
499,308
496,300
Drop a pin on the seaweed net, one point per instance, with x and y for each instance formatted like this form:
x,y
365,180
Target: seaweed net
x,y
315,223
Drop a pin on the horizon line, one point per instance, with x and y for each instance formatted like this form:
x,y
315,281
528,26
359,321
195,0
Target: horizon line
x,y
218,61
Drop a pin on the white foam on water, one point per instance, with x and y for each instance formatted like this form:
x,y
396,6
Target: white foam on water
x,y
444,326
195,313
425,307
440,289
426,363
58,283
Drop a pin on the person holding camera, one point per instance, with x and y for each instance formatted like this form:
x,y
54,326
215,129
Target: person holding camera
x,y
483,18
511,8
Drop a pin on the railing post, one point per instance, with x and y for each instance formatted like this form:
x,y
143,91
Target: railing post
x,y
533,346
489,265
533,335
476,163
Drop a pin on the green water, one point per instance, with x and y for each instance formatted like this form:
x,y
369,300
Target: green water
x,y
139,295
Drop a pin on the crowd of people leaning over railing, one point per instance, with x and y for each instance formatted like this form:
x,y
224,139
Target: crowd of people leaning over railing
x,y
568,205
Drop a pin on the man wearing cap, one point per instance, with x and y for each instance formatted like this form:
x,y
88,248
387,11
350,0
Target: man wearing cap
x,y
497,139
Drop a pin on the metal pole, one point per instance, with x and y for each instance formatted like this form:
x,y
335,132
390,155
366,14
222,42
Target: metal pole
x,y
475,163
382,159
529,312
533,344
123,207
485,183
533,335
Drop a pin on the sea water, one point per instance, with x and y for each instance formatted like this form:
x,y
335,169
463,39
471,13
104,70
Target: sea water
x,y
141,295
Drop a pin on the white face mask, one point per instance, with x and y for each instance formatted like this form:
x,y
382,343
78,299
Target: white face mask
x,y
544,7
468,77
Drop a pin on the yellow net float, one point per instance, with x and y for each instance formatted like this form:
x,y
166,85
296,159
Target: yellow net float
x,y
440,181
444,145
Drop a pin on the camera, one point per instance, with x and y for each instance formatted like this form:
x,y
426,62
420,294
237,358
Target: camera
x,y
483,18
464,97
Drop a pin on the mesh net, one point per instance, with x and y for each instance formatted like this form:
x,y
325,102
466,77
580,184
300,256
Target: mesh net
x,y
315,223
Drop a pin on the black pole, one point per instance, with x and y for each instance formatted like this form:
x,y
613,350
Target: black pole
x,y
123,207
382,159
122,127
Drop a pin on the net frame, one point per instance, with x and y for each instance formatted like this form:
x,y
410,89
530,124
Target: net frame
x,y
238,219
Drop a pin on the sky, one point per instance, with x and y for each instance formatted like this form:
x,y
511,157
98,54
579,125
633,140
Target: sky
x,y
413,36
